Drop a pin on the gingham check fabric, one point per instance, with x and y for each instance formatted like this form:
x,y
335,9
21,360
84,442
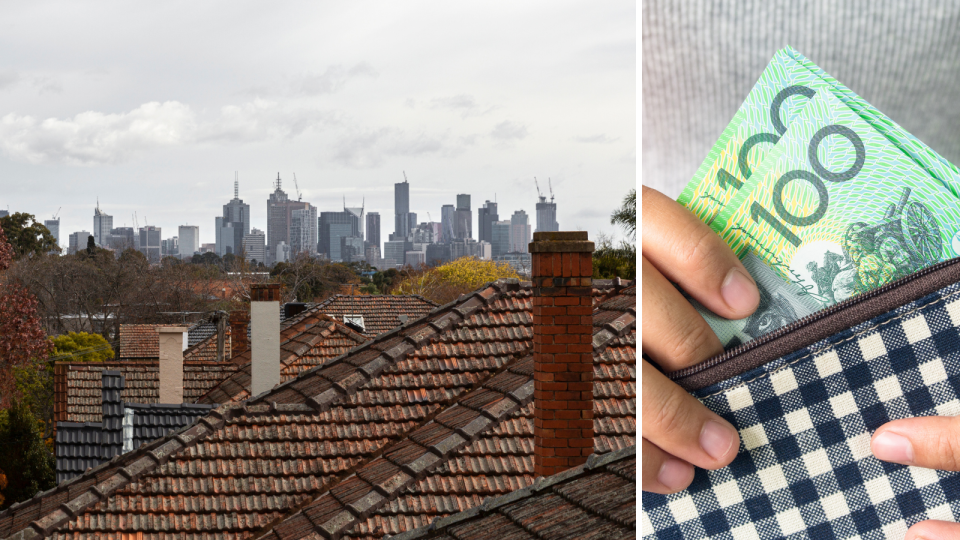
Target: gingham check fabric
x,y
805,469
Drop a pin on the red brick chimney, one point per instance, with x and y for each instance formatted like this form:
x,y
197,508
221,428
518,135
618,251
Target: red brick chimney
x,y
239,321
562,350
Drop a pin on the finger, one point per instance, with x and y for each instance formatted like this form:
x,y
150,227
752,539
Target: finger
x,y
663,473
689,253
673,333
934,530
932,442
681,426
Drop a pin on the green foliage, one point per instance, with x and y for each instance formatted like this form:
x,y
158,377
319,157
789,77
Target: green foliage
x,y
626,215
208,258
307,279
27,237
81,347
27,463
384,280
91,246
610,261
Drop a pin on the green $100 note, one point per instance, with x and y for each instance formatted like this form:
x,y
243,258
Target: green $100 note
x,y
838,209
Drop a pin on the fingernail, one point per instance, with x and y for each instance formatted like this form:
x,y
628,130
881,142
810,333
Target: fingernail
x,y
674,474
889,446
739,292
716,439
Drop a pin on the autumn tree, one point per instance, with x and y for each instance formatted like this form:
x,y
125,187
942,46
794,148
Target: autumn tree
x,y
27,237
447,282
27,463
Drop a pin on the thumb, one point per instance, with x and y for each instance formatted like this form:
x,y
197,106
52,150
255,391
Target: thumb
x,y
934,530
932,442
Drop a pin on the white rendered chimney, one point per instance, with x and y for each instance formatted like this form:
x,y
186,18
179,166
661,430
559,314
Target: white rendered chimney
x,y
264,337
171,364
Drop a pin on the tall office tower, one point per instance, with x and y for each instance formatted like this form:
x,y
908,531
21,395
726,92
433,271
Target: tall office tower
x,y
464,223
233,225
170,247
520,233
150,242
303,231
373,229
279,209
77,241
102,223
401,208
351,249
547,214
499,238
53,225
4,213
486,216
122,238
189,240
255,246
358,212
448,219
333,227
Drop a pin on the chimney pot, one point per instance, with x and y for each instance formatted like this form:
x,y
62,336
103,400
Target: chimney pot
x,y
562,350
265,333
239,321
171,364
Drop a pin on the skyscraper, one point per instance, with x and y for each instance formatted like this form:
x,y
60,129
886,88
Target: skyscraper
x,y
333,227
102,223
303,231
463,227
233,225
53,225
279,210
358,212
255,245
401,208
519,232
448,219
486,217
373,229
547,214
123,238
499,238
150,242
77,241
189,240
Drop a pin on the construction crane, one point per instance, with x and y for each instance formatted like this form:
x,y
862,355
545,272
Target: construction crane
x,y
404,176
539,195
551,189
299,195
57,214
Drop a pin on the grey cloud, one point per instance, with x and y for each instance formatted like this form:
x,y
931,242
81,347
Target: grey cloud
x,y
8,79
465,104
371,148
508,131
597,139
262,119
331,80
46,85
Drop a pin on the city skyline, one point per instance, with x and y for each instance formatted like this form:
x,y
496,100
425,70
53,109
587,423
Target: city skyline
x,y
347,98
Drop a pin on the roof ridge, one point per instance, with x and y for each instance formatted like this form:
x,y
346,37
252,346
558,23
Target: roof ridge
x,y
392,468
595,461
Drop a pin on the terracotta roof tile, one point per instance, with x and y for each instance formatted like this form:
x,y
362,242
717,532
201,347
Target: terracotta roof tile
x,y
139,341
380,312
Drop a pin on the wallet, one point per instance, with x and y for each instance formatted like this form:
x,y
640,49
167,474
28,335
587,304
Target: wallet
x,y
806,400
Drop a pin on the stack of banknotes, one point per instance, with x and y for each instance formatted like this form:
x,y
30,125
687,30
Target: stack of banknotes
x,y
822,196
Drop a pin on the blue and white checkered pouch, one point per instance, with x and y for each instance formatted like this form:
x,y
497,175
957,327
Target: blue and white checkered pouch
x,y
805,419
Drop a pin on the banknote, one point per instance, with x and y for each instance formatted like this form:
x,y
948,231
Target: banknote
x,y
781,303
837,209
777,98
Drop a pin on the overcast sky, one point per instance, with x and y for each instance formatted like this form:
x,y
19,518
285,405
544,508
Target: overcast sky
x,y
152,107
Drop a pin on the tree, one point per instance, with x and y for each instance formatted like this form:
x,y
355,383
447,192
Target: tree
x,y
447,282
610,260
21,337
27,464
27,237
81,347
91,245
626,215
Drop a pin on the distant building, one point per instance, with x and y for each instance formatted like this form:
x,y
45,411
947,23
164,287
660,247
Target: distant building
x,y
404,220
486,217
414,259
303,231
189,241
208,248
499,238
358,213
437,254
520,232
150,242
547,215
279,214
78,241
102,224
463,225
372,254
255,246
4,213
123,238
53,225
395,250
170,247
469,247
426,233
351,249
521,262
333,227
283,252
448,219
233,225
373,230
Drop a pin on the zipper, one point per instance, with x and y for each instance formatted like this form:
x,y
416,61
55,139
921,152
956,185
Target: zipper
x,y
818,326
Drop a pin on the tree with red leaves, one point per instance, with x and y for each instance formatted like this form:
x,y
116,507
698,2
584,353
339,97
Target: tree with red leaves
x,y
22,339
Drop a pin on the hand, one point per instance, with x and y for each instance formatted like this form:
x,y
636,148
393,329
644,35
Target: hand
x,y
932,442
678,431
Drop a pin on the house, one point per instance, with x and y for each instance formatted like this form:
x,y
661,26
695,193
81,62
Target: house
x,y
373,314
474,400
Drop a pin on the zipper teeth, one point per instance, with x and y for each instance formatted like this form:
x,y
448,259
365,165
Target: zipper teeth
x,y
740,349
